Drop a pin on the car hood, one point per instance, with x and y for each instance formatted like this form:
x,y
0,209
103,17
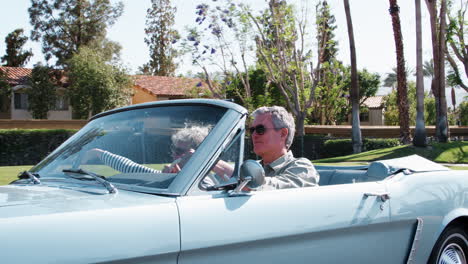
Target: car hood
x,y
26,200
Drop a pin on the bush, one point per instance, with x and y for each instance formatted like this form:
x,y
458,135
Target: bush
x,y
379,143
343,147
337,147
29,146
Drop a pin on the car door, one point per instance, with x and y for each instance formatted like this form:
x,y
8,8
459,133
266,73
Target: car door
x,y
328,224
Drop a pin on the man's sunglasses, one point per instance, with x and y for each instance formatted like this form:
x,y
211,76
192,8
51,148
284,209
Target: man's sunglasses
x,y
260,129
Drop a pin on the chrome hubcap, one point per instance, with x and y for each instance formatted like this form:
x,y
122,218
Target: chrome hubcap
x,y
452,254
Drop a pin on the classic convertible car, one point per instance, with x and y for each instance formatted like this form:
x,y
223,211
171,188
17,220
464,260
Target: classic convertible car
x,y
134,207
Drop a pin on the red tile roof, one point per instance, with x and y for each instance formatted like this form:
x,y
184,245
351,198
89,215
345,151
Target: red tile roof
x,y
168,86
374,102
155,85
16,75
19,76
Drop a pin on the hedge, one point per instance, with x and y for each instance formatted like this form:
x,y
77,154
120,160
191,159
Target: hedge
x,y
29,146
343,147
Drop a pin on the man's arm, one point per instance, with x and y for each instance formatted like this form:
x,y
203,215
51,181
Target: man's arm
x,y
299,173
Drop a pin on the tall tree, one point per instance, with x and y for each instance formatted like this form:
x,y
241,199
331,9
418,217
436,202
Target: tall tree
x,y
15,55
96,85
5,91
42,94
66,25
438,33
402,87
356,129
419,139
332,77
288,63
160,38
428,68
457,39
219,45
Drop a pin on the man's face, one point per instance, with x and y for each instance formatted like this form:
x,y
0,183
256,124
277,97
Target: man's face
x,y
272,140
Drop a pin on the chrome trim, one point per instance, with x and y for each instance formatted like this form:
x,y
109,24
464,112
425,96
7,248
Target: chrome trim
x,y
384,196
416,239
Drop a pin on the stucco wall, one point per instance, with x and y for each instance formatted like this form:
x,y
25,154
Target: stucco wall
x,y
20,114
141,96
376,117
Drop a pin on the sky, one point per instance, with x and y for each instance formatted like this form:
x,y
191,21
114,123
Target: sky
x,y
373,32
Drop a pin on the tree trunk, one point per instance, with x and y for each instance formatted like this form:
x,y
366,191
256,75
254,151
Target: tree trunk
x,y
438,53
419,139
402,89
300,119
356,127
443,120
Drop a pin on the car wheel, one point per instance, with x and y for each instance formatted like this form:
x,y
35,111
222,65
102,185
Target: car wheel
x,y
451,247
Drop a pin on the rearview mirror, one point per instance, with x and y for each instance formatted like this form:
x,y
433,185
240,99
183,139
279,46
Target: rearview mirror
x,y
252,172
252,176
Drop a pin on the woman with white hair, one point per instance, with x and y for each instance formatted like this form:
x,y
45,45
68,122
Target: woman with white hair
x,y
184,144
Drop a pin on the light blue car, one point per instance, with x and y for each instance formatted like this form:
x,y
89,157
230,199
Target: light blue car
x,y
120,191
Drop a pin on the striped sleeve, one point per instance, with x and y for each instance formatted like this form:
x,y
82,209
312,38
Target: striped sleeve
x,y
123,164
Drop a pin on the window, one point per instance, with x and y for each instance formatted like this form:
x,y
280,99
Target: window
x,y
226,167
364,117
21,101
61,103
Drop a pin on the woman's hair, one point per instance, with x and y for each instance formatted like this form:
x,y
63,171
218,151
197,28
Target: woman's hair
x,y
280,118
193,136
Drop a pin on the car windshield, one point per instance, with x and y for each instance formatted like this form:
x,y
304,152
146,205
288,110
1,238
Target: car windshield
x,y
145,147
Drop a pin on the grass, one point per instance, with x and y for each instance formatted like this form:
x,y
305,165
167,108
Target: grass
x,y
9,174
452,152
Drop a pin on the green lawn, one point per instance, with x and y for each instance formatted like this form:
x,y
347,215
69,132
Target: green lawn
x,y
9,174
453,152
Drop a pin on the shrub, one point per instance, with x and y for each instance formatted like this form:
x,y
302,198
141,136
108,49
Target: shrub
x,y
29,146
343,147
379,143
337,147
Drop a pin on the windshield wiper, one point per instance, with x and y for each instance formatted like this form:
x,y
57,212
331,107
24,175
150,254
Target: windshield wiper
x,y
101,179
34,177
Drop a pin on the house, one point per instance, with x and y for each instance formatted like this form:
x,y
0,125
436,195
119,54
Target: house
x,y
16,107
149,88
373,115
146,89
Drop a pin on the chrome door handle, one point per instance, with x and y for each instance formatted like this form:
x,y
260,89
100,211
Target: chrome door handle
x,y
384,196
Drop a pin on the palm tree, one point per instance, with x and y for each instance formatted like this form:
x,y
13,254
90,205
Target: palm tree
x,y
428,68
419,139
438,29
402,88
391,79
356,129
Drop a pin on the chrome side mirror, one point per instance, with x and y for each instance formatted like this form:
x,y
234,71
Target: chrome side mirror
x,y
252,176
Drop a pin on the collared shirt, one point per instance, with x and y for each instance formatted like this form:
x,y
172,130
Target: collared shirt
x,y
289,172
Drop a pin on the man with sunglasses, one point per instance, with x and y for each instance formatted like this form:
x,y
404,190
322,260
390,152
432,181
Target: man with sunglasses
x,y
272,133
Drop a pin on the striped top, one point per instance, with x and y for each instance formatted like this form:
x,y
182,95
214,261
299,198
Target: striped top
x,y
123,164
